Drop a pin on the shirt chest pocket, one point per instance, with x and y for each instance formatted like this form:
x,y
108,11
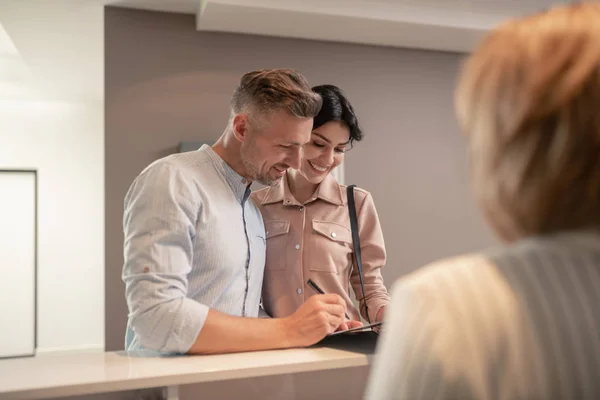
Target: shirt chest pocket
x,y
277,238
330,247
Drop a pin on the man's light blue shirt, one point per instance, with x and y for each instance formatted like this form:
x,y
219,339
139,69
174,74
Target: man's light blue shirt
x,y
193,241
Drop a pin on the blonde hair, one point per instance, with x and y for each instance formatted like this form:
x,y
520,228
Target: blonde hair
x,y
529,101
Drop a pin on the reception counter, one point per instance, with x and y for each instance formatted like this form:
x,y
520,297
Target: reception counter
x,y
58,375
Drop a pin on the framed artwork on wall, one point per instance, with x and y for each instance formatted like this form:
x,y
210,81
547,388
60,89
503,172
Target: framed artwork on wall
x,y
18,262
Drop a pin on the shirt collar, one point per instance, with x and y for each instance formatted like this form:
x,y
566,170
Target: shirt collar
x,y
238,184
329,190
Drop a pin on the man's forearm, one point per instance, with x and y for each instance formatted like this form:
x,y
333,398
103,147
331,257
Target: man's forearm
x,y
223,333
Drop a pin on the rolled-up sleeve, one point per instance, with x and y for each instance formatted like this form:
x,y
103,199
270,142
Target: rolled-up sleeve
x,y
159,226
373,257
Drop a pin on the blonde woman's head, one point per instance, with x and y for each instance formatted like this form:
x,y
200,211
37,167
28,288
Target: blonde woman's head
x,y
528,99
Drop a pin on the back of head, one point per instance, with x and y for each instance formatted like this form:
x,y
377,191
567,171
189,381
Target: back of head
x,y
529,100
264,91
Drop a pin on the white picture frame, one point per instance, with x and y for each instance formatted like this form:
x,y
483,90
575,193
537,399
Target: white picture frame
x,y
18,263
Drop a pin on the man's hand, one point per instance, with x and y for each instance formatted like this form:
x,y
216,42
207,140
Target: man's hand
x,y
316,318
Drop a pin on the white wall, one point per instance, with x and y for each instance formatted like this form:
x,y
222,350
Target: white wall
x,y
64,142
52,119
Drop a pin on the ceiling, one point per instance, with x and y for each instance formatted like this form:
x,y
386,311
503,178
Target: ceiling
x,y
61,41
505,8
60,48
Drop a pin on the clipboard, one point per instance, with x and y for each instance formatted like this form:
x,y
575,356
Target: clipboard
x,y
364,328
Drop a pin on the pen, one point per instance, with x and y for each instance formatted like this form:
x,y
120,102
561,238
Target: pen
x,y
317,289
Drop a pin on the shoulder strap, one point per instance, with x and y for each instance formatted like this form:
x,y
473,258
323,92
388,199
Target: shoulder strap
x,y
356,243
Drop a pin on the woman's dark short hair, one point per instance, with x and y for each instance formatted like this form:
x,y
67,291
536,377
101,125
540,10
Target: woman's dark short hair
x,y
336,107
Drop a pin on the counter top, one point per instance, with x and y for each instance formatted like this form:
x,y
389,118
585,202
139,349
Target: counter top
x,y
55,375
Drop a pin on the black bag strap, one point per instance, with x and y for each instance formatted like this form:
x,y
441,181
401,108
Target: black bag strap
x,y
356,243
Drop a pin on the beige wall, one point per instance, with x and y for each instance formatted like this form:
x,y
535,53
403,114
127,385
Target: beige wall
x,y
167,82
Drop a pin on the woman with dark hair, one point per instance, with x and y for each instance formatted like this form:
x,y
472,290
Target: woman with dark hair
x,y
307,220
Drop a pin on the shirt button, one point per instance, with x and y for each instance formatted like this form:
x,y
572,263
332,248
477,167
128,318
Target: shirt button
x,y
299,291
297,247
333,234
301,208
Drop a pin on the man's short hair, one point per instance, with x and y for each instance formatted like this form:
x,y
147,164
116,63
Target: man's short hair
x,y
270,90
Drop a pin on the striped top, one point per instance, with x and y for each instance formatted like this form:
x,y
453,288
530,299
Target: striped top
x,y
520,322
193,241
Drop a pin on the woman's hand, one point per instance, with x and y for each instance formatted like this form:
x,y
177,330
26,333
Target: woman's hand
x,y
349,324
379,316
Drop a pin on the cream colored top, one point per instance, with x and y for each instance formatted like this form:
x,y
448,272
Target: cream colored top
x,y
313,240
520,322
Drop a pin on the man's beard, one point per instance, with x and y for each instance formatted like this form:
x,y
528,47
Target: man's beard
x,y
254,174
247,154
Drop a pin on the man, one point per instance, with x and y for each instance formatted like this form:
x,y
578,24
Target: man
x,y
195,245
521,321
